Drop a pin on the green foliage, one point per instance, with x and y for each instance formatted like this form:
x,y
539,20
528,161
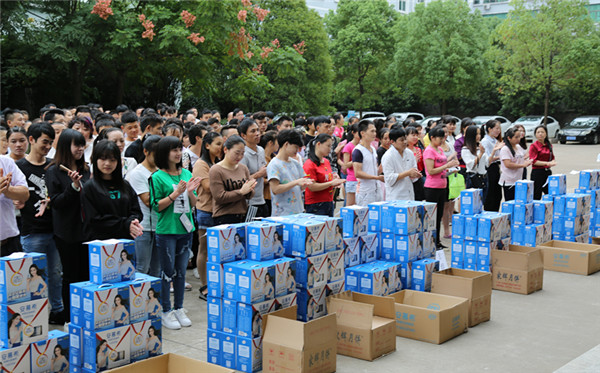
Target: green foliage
x,y
361,41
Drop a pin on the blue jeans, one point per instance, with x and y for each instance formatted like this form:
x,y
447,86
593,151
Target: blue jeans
x,y
320,208
147,259
44,243
174,250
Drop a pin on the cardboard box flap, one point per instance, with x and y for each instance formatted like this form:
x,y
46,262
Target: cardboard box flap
x,y
288,313
379,322
462,283
355,314
575,246
520,258
285,332
320,332
420,300
384,306
171,363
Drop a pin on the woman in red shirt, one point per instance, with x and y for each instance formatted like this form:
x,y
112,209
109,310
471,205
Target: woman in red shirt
x,y
542,158
319,195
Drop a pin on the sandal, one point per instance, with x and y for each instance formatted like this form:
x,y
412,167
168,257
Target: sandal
x,y
203,295
188,286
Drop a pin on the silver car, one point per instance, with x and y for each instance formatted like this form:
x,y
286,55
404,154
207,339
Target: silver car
x,y
482,119
530,122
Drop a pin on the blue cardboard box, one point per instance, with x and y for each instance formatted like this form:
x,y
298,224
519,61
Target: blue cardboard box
x,y
30,317
106,349
250,318
428,242
311,272
214,276
560,203
577,204
370,248
353,251
214,313
144,298
333,232
428,211
470,255
458,226
406,275
75,345
335,266
557,184
51,354
518,234
106,306
401,218
394,274
534,235
249,281
422,272
213,346
228,349
490,227
373,280
471,201
111,260
286,223
308,238
524,191
146,339
523,213
457,252
17,359
249,354
574,226
226,243
285,276
408,248
352,275
290,300
23,277
387,246
311,303
588,179
229,318
542,212
76,294
471,225
355,220
484,252
265,240
375,216
508,207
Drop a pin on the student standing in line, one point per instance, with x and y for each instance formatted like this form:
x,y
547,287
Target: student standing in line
x,y
254,160
146,253
286,175
364,161
475,159
348,169
231,184
448,148
110,203
513,160
17,142
542,158
36,217
436,182
65,192
494,192
523,143
319,194
212,152
268,141
412,138
150,125
172,191
399,168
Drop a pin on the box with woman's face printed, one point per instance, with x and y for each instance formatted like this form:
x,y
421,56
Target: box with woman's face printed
x,y
52,354
23,277
112,260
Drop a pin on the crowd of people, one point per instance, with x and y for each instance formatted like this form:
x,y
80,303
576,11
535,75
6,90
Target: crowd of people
x,y
162,178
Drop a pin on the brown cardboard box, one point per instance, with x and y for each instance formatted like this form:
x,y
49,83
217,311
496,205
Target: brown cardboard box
x,y
473,285
433,318
296,346
571,257
519,269
171,363
366,325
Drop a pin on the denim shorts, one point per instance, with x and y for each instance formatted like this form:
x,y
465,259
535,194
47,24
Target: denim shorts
x,y
351,186
204,219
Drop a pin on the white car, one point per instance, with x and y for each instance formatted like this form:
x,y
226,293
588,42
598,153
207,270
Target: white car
x,y
372,115
437,118
530,122
401,117
482,119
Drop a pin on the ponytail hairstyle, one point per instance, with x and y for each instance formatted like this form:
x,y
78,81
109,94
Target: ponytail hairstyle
x,y
352,129
471,139
312,155
510,133
208,139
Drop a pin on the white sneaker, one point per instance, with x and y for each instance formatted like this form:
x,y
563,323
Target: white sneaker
x,y
196,273
182,317
169,320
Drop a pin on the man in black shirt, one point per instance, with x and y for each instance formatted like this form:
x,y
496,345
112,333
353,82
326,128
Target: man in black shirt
x,y
150,124
36,217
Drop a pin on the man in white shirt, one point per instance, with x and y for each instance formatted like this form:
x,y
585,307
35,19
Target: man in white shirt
x,y
364,162
13,187
399,168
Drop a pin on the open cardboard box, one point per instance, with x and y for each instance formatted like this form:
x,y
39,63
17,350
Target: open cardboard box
x,y
519,269
365,324
171,363
433,318
473,285
295,346
571,257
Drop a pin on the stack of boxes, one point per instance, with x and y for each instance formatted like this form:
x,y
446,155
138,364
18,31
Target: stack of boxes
x,y
25,343
476,232
398,241
573,212
589,184
115,317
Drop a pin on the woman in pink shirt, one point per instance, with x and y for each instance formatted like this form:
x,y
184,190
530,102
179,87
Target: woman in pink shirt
x,y
351,181
436,183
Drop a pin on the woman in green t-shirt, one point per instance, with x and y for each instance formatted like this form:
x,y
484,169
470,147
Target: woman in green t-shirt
x,y
173,194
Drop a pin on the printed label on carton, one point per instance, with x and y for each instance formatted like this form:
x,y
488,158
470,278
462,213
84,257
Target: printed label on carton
x,y
23,277
408,248
312,271
215,279
144,298
75,345
52,354
355,220
107,349
146,339
370,246
23,323
352,250
285,272
335,266
213,347
17,359
265,241
250,317
311,303
112,260
226,243
387,246
308,238
106,306
249,354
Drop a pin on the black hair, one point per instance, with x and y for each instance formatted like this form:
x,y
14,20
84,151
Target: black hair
x,y
148,111
37,270
208,139
167,127
164,147
236,110
161,107
447,119
36,130
523,141
283,118
363,125
234,122
212,121
396,133
121,108
227,128
312,155
64,155
337,116
151,120
546,141
106,149
300,122
300,115
233,141
103,135
52,113
245,125
129,257
260,115
129,117
170,110
382,131
320,119
13,130
107,121
437,131
471,139
379,123
266,137
490,124
510,133
150,143
352,129
196,131
82,109
291,137
206,111
84,122
465,123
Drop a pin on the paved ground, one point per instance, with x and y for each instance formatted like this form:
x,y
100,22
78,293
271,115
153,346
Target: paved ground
x,y
541,332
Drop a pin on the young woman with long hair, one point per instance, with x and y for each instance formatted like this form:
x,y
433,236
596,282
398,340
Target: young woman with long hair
x,y
543,159
513,160
493,197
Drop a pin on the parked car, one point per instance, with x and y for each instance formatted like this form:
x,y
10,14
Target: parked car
x,y
401,117
582,129
437,118
504,123
372,115
532,121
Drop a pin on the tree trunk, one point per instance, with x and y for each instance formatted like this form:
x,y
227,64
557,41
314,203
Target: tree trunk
x,y
546,103
361,91
443,107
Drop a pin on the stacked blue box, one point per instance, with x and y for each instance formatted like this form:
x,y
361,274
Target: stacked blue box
x,y
376,278
589,184
572,216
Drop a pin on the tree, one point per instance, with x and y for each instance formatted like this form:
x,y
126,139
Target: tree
x,y
536,43
439,51
361,41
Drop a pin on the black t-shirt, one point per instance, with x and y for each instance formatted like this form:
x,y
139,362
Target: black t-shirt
x,y
135,150
36,181
380,152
